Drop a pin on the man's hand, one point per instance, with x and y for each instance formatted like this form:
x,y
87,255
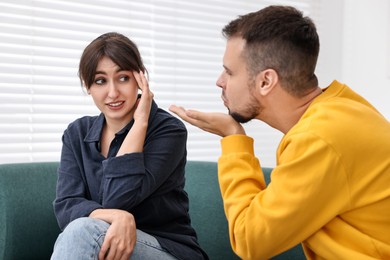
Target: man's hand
x,y
215,123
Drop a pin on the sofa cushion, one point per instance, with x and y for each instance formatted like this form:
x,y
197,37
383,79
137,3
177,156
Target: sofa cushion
x,y
206,209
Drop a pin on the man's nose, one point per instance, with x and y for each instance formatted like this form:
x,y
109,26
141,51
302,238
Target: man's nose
x,y
220,81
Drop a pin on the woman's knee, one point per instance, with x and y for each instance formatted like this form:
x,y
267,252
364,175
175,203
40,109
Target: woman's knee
x,y
83,227
82,238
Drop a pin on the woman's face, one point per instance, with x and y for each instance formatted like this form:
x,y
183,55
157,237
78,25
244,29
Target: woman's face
x,y
114,92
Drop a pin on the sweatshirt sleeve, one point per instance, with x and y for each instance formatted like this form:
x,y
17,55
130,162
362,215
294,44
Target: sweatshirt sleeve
x,y
265,221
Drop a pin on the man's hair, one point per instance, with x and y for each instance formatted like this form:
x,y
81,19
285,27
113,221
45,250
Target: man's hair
x,y
279,38
120,49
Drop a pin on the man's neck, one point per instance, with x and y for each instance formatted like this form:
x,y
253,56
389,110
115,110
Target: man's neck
x,y
288,110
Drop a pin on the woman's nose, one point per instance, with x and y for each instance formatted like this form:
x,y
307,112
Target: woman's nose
x,y
112,90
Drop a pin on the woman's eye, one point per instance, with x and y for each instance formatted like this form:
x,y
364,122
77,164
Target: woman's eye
x,y
124,78
99,81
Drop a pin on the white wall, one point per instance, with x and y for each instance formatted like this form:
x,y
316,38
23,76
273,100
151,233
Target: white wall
x,y
329,22
355,48
366,50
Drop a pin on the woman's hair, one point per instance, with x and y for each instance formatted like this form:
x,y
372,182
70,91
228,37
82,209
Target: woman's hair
x,y
120,49
279,38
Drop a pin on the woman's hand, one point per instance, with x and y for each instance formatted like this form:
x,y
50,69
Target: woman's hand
x,y
120,238
145,102
134,141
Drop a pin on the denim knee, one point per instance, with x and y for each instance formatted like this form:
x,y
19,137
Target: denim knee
x,y
81,239
89,225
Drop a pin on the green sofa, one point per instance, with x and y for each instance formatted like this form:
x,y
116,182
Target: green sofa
x,y
28,228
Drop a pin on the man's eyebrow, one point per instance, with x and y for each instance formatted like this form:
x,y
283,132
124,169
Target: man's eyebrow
x,y
226,68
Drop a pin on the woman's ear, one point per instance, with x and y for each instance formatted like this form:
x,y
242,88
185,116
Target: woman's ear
x,y
266,81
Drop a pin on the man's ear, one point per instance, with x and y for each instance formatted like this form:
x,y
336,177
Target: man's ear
x,y
266,80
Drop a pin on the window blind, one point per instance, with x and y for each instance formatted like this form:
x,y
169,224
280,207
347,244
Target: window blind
x,y
41,42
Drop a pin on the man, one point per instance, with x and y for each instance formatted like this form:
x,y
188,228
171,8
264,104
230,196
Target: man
x,y
330,189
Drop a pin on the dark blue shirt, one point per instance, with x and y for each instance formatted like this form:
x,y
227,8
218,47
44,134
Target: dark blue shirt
x,y
149,185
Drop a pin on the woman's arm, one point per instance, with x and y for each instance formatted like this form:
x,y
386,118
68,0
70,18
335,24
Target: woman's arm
x,y
134,141
144,161
72,199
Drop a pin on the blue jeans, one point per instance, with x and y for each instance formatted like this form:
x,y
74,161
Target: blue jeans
x,y
83,238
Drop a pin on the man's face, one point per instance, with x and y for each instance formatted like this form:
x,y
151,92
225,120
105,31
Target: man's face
x,y
238,90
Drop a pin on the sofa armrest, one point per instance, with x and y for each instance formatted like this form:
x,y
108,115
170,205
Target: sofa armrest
x,y
28,228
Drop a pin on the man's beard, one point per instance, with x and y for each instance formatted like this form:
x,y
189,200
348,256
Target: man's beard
x,y
240,118
252,110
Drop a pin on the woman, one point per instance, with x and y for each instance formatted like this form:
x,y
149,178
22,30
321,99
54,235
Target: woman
x,y
121,175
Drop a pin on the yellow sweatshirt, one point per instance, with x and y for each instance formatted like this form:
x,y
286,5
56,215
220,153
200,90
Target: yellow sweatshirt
x,y
330,189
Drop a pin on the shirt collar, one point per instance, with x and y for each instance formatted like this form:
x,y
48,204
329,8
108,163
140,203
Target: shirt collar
x,y
96,129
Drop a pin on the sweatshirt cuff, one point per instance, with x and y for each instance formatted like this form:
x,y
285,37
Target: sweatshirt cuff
x,y
237,144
